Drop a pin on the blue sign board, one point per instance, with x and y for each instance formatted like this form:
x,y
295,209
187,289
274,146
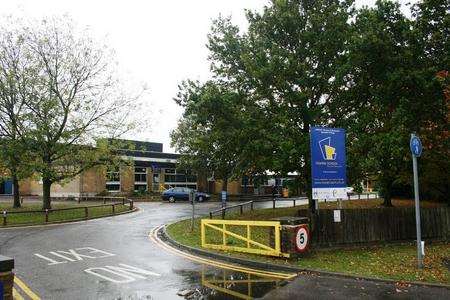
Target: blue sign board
x,y
328,163
415,145
224,198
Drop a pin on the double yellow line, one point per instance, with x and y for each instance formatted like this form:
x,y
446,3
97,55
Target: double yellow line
x,y
24,289
154,237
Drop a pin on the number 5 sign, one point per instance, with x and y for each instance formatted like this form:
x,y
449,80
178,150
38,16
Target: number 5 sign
x,y
302,238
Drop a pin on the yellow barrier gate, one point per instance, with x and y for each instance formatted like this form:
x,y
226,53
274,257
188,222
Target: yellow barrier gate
x,y
252,246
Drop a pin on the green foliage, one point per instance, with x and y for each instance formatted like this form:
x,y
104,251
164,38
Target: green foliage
x,y
210,133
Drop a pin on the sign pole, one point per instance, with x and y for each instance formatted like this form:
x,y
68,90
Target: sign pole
x,y
192,198
416,150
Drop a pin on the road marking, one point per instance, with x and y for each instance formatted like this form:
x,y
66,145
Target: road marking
x,y
52,261
16,295
126,272
154,237
74,255
25,288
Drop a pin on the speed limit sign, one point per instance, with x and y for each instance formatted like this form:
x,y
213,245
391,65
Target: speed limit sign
x,y
302,238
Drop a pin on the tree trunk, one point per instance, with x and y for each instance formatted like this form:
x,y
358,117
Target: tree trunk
x,y
16,192
225,185
46,185
386,192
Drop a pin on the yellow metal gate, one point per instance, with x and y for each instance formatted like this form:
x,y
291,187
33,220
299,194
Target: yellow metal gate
x,y
244,235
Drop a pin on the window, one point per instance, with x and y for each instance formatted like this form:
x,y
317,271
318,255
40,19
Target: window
x,y
113,179
140,179
140,175
113,174
180,178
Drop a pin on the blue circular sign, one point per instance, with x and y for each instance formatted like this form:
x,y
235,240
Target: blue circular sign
x,y
415,145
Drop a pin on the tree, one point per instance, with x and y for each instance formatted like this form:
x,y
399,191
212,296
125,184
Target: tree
x,y
209,133
387,93
286,63
431,25
74,100
15,75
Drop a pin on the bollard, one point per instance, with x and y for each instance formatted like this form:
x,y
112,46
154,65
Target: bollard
x,y
242,211
273,201
7,276
46,216
4,217
86,215
131,204
294,202
210,215
113,209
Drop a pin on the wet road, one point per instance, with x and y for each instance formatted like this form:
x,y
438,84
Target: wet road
x,y
114,258
109,258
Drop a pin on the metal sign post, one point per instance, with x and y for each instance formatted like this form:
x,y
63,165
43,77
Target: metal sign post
x,y
416,150
192,199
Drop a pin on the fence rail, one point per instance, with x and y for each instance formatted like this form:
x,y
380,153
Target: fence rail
x,y
269,198
222,211
37,216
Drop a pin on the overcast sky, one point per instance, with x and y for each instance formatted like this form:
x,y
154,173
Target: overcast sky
x,y
158,43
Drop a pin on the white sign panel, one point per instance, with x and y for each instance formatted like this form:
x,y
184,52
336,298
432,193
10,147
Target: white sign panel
x,y
329,193
337,216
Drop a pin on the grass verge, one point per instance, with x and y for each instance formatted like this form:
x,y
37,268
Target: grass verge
x,y
388,261
25,216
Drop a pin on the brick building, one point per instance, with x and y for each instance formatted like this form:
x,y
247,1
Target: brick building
x,y
150,169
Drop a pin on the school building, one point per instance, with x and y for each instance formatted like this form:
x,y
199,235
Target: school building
x,y
150,169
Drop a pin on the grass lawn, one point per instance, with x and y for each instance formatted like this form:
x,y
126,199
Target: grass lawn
x,y
24,216
391,261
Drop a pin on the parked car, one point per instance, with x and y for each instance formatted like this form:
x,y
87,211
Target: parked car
x,y
181,193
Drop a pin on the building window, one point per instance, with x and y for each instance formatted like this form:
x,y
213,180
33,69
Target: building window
x,y
180,178
113,179
140,179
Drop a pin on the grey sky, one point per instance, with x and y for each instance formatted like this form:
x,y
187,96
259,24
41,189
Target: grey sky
x,y
158,43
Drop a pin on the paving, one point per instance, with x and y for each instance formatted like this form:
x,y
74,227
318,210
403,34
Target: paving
x,y
113,258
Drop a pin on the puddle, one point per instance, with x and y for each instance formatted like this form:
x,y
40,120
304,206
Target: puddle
x,y
215,283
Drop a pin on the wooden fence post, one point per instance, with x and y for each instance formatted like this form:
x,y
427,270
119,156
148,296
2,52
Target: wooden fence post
x,y
242,211
210,215
273,201
223,214
46,215
113,209
104,200
131,204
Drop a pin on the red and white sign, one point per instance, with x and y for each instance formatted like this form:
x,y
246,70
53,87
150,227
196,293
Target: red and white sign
x,y
302,238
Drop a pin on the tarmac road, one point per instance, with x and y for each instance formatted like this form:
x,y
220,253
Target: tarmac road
x,y
113,258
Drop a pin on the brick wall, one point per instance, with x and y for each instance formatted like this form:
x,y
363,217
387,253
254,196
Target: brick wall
x,y
127,179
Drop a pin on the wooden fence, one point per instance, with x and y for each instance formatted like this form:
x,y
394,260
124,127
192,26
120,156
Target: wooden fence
x,y
377,225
